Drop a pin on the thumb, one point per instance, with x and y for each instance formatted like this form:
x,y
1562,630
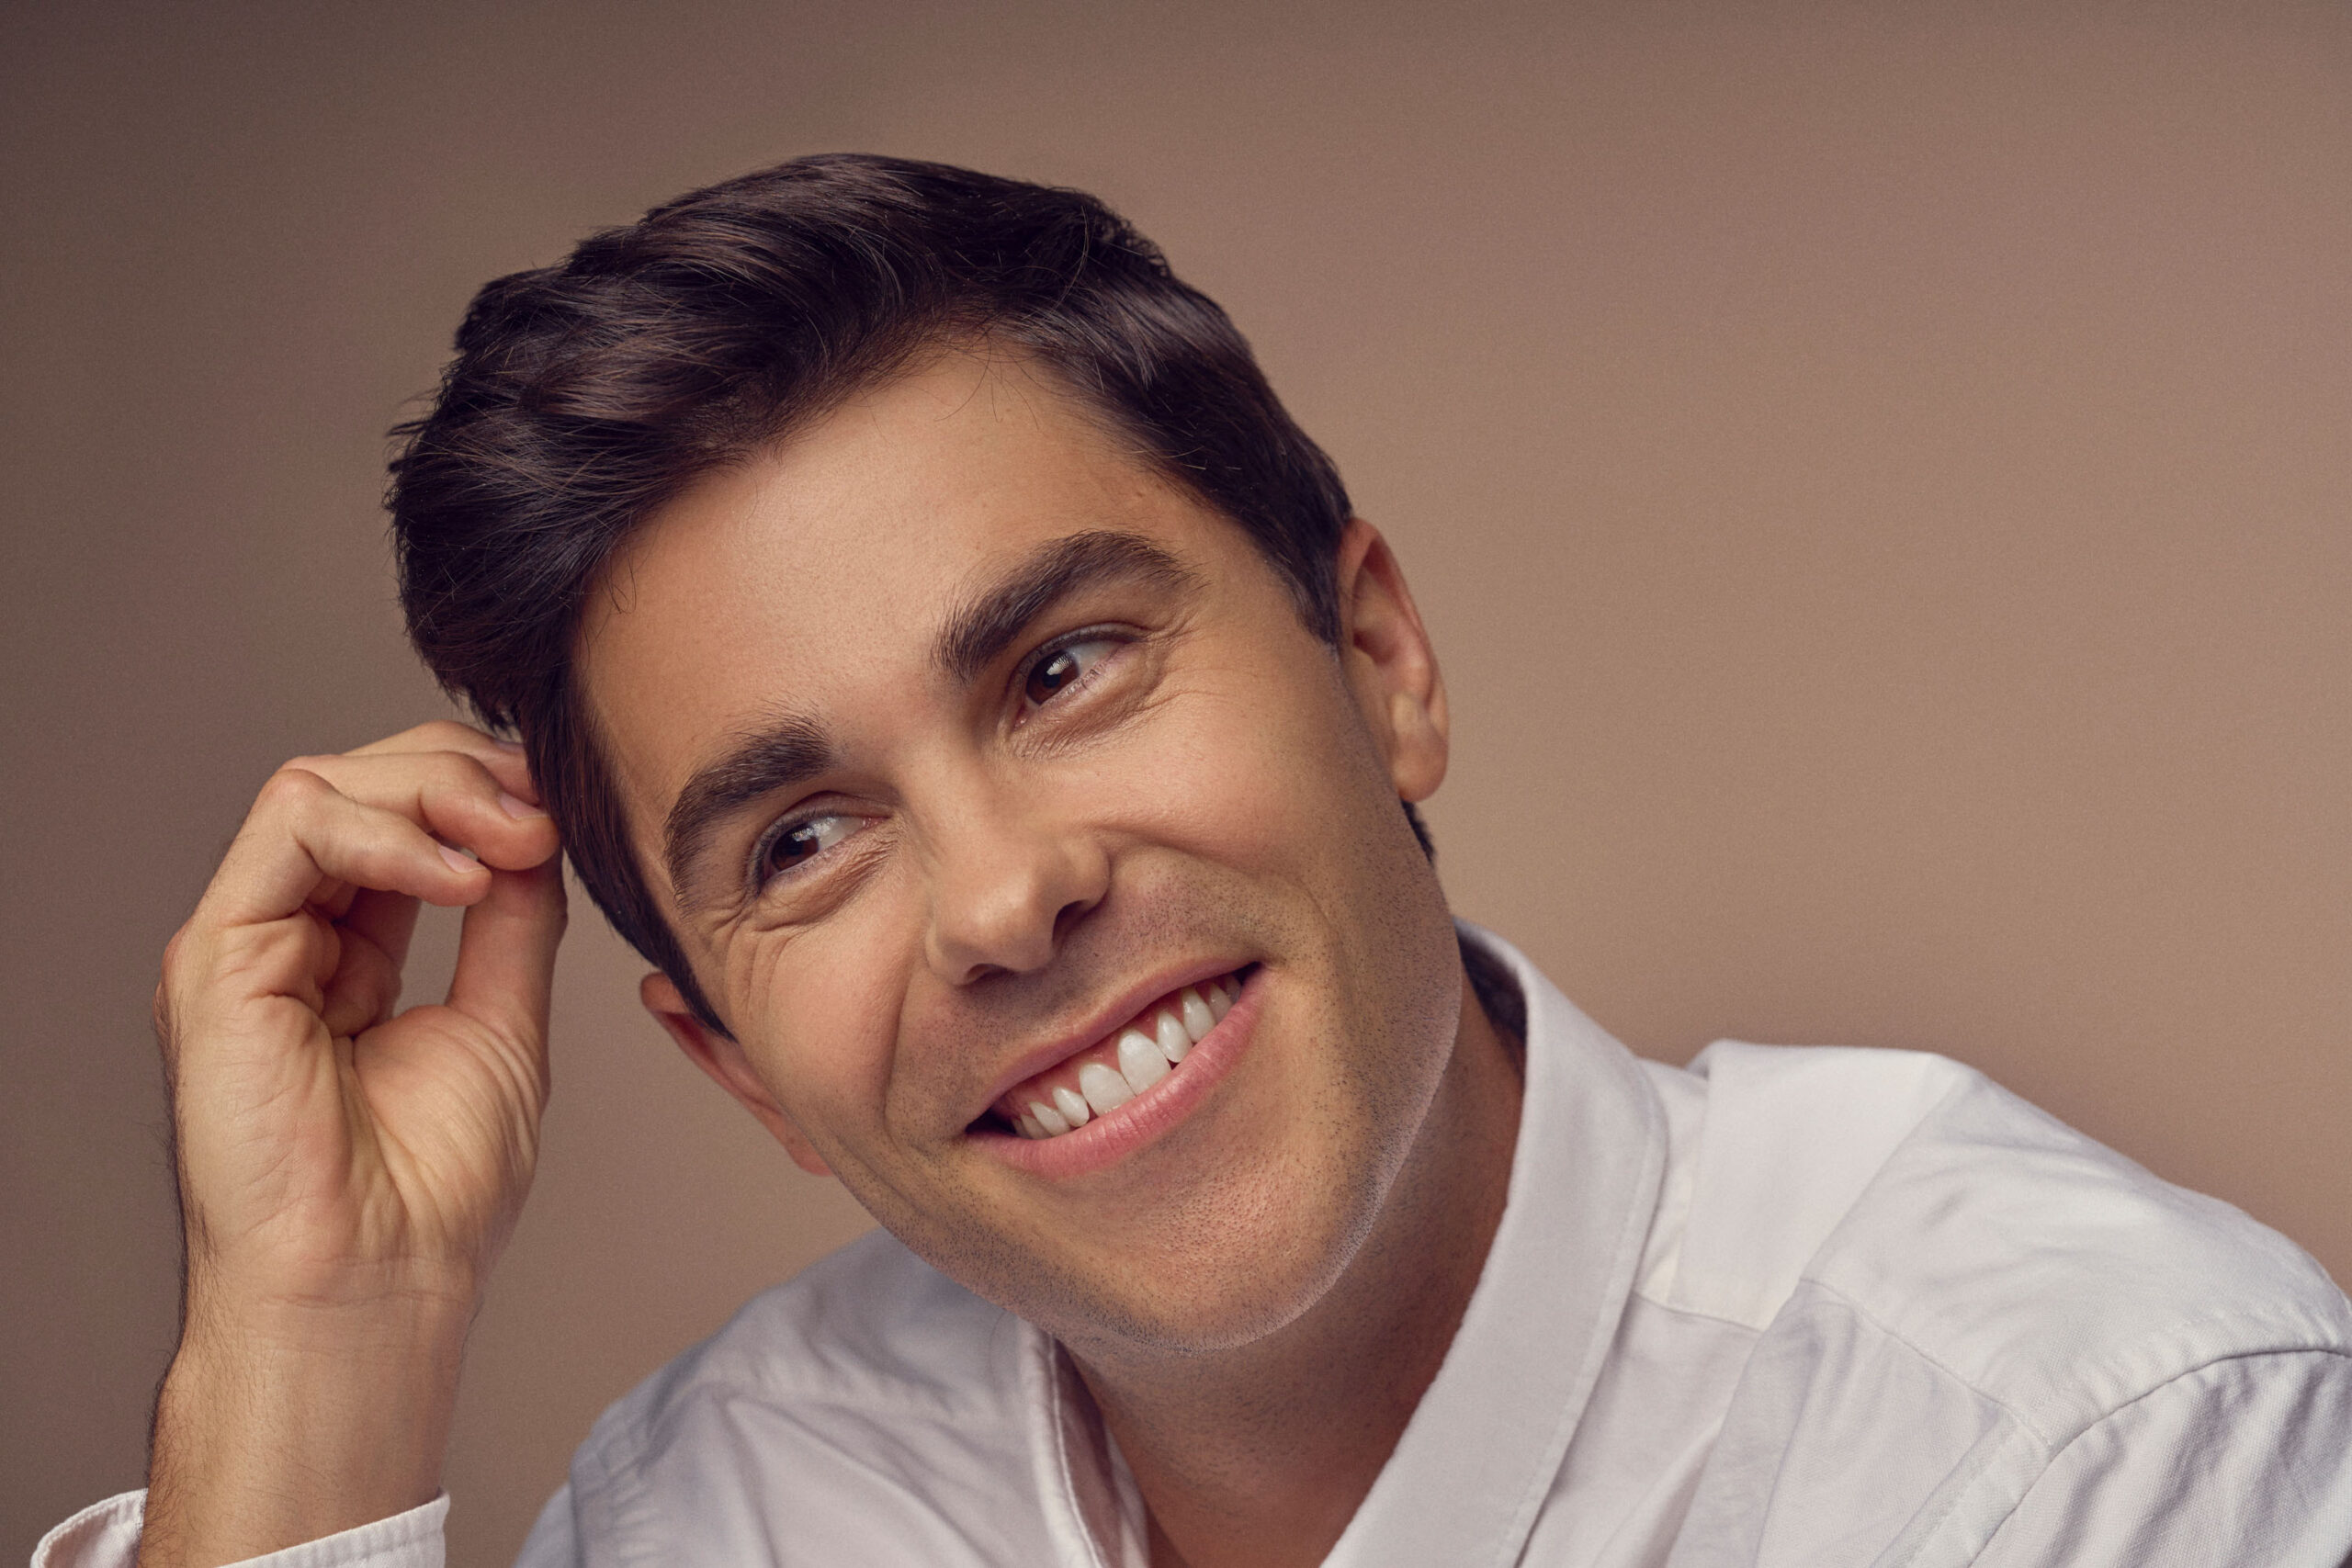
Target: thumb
x,y
507,955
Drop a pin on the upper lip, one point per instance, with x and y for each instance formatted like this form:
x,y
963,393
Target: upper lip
x,y
1101,1021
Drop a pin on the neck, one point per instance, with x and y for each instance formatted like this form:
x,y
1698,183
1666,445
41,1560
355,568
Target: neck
x,y
1257,1457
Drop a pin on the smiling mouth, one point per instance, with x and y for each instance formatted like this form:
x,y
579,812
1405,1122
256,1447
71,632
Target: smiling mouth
x,y
1130,1061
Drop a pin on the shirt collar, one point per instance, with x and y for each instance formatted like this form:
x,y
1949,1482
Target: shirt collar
x,y
1483,1447
1481,1451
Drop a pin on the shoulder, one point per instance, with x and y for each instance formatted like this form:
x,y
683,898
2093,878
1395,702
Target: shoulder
x,y
870,1326
867,1390
2047,1272
1965,1310
2057,1276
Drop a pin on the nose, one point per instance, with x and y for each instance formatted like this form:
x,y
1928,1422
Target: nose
x,y
1009,879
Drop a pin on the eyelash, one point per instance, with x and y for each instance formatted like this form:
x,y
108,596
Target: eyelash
x,y
776,836
1061,645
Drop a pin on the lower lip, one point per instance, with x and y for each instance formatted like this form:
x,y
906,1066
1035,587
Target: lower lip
x,y
1121,1131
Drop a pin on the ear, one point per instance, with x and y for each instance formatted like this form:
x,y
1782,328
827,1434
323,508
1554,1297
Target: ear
x,y
1389,662
720,1056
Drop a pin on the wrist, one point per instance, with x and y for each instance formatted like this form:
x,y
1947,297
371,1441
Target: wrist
x,y
400,1316
288,1424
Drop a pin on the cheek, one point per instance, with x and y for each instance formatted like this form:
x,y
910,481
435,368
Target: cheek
x,y
819,1016
1277,779
1259,774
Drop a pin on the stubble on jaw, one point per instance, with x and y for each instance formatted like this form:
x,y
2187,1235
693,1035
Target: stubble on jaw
x,y
1367,1030
1287,840
1223,1437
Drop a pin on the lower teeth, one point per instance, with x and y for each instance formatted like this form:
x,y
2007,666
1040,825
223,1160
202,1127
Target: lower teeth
x,y
1143,1060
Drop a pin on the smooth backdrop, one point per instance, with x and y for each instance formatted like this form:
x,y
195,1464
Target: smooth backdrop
x,y
1877,475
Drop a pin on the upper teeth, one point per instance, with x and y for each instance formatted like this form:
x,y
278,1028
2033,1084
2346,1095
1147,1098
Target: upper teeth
x,y
1138,1058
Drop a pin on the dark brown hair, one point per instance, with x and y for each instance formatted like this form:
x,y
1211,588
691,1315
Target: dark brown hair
x,y
586,395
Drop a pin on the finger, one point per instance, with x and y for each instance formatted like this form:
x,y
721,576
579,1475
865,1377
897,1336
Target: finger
x,y
503,757
364,987
459,800
385,920
507,955
356,967
304,833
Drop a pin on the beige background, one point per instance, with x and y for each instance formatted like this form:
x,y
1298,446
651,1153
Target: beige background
x,y
1877,475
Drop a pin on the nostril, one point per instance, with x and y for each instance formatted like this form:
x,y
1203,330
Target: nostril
x,y
1067,916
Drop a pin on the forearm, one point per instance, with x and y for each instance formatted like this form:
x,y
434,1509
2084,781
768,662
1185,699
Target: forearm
x,y
272,1429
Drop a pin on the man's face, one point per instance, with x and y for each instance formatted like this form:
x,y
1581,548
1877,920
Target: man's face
x,y
961,742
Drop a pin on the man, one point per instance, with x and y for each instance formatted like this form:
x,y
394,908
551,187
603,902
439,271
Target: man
x,y
942,657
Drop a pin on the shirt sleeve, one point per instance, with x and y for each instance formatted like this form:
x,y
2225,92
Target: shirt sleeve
x,y
554,1540
2243,1461
106,1535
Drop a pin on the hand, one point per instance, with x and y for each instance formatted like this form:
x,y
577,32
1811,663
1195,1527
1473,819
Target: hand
x,y
348,1174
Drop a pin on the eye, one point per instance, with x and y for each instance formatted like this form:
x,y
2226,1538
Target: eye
x,y
800,842
1065,667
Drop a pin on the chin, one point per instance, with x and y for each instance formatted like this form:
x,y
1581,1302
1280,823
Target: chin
x,y
1225,1280
1191,1317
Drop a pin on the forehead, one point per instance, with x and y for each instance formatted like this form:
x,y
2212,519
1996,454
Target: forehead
x,y
814,574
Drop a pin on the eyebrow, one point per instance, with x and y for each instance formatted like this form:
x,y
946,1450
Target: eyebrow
x,y
789,750
793,749
978,632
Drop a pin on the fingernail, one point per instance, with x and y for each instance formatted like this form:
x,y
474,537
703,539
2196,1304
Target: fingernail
x,y
459,859
517,806
514,745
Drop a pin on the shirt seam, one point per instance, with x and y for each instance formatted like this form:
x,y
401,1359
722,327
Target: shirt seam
x,y
1965,1080
2055,1452
1701,1315
2047,1440
613,1487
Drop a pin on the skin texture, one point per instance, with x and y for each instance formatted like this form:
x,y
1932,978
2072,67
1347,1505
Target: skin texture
x,y
347,1175
1259,1296
1008,854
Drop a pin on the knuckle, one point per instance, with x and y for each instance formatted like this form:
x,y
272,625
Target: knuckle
x,y
293,786
457,771
454,782
178,961
449,732
256,958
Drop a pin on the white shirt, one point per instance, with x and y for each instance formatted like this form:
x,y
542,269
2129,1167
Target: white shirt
x,y
1786,1306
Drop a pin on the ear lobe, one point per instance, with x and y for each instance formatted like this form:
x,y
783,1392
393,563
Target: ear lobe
x,y
1390,662
722,1059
